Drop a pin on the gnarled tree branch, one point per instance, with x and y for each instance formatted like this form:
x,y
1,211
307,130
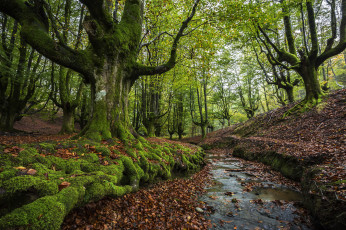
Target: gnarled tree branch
x,y
147,70
34,32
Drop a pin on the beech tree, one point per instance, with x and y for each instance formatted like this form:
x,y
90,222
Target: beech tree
x,y
19,73
68,101
109,64
307,59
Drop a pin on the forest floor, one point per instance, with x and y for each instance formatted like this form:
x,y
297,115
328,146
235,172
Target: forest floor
x,y
315,140
35,128
164,205
315,137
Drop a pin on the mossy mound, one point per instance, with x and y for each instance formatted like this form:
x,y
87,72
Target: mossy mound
x,y
41,183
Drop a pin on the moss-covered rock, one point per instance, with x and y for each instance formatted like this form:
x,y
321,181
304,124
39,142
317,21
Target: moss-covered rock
x,y
57,185
289,166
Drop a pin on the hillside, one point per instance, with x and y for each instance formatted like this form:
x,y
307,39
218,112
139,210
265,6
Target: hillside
x,y
309,148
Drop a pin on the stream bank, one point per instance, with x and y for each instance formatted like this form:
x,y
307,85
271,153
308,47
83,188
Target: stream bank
x,y
243,197
326,207
308,147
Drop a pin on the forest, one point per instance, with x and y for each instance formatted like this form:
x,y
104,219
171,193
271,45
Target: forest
x,y
130,114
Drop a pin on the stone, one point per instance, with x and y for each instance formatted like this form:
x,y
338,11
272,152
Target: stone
x,y
198,209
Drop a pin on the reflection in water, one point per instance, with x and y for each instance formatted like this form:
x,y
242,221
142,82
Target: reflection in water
x,y
270,194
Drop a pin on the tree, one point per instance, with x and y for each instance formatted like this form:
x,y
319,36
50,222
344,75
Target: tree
x,y
223,98
279,77
109,64
18,75
248,90
306,60
68,100
201,117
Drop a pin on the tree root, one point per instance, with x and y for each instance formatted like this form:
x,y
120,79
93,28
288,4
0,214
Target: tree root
x,y
303,106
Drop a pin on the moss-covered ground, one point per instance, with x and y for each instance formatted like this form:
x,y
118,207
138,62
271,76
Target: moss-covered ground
x,y
40,183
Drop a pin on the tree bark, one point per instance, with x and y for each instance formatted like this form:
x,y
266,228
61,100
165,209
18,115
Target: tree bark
x,y
204,131
312,87
289,92
109,64
7,121
68,121
109,115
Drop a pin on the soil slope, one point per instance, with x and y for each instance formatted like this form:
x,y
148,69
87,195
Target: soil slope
x,y
314,141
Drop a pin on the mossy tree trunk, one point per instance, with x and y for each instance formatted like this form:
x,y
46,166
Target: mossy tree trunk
x,y
109,64
179,117
312,87
289,92
67,101
279,78
204,130
152,113
68,121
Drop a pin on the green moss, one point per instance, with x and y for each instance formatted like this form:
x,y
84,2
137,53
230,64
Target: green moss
x,y
71,197
139,146
103,150
47,147
165,172
99,127
131,152
73,165
7,175
44,213
153,156
187,163
23,183
89,180
5,160
166,150
96,191
91,157
31,152
130,171
143,161
142,139
157,152
89,167
304,106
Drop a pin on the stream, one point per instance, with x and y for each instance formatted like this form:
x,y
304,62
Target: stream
x,y
230,204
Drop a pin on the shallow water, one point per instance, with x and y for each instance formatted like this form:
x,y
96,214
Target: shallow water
x,y
268,206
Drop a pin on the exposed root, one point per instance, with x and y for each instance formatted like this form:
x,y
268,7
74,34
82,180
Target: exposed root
x,y
303,106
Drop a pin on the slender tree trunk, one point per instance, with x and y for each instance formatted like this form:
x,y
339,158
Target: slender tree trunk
x,y
204,130
68,121
289,92
151,129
